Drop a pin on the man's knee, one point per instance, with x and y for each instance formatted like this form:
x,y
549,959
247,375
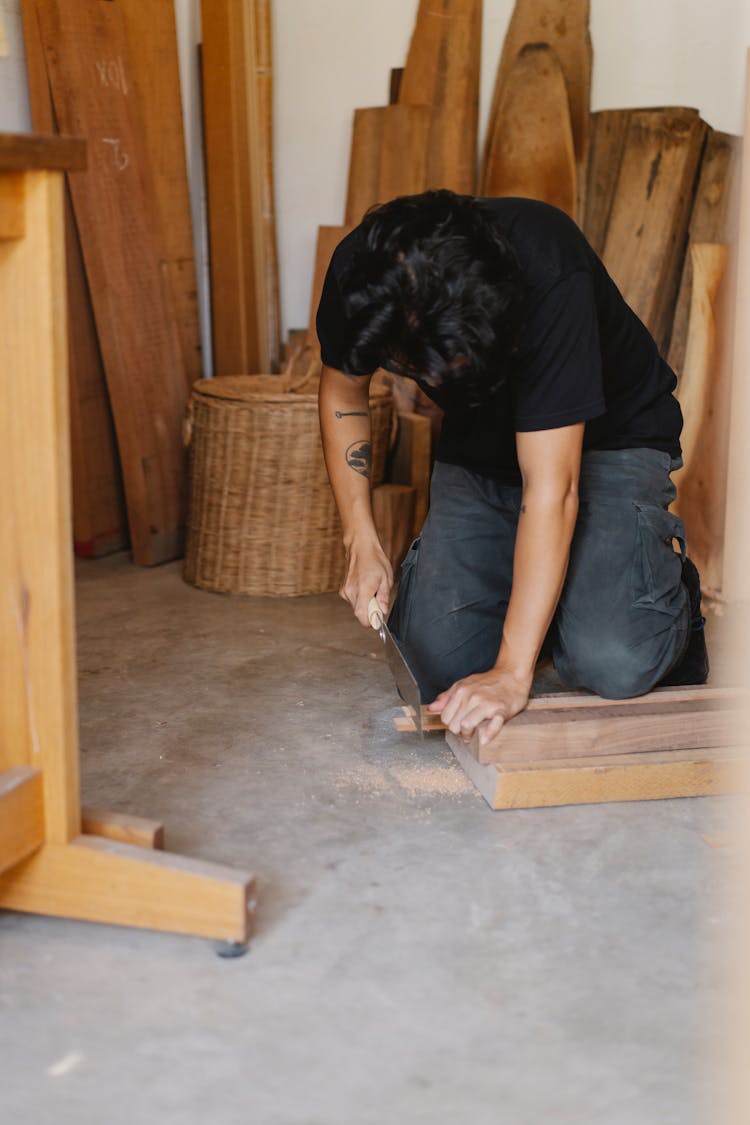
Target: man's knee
x,y
611,667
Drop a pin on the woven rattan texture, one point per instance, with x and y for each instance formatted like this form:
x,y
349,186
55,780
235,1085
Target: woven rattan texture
x,y
261,515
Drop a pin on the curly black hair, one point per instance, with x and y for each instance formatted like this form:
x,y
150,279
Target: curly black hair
x,y
433,291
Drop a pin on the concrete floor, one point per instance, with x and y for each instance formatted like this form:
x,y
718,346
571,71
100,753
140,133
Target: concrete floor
x,y
418,958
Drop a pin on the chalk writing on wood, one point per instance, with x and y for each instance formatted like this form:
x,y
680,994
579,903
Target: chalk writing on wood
x,y
121,158
112,73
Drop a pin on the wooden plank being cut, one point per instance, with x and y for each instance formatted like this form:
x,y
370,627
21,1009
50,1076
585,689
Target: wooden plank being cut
x,y
607,132
236,108
99,516
564,26
388,156
585,781
530,148
152,44
93,94
442,71
714,218
704,392
647,231
571,703
547,734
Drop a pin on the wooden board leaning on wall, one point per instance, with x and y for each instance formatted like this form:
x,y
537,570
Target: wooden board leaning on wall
x,y
442,71
647,228
92,88
99,517
237,125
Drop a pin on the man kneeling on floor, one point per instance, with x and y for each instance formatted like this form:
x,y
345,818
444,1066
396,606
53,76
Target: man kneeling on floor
x,y
548,526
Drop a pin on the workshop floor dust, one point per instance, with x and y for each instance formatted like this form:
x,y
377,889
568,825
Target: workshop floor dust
x,y
428,780
435,782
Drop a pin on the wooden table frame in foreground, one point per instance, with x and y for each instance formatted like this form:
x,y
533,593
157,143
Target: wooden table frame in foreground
x,y
51,860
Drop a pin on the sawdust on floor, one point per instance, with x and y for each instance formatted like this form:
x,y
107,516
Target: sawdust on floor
x,y
435,781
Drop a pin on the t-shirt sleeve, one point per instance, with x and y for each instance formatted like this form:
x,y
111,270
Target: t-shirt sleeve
x,y
330,322
559,379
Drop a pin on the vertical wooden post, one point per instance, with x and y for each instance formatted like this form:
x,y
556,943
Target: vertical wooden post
x,y
47,865
38,686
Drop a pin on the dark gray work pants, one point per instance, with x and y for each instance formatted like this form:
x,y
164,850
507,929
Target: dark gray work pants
x,y
622,622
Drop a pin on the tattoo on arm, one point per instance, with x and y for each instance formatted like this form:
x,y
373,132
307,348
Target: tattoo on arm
x,y
359,456
352,414
523,508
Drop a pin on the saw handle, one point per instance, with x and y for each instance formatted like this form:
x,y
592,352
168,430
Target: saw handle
x,y
375,614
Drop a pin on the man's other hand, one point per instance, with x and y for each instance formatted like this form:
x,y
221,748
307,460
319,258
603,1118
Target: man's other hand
x,y
493,697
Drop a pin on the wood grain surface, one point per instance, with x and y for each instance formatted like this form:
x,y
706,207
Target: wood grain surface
x,y
714,218
530,149
151,34
93,93
99,515
607,131
704,393
393,512
563,25
388,156
648,224
38,714
237,100
412,462
442,71
585,781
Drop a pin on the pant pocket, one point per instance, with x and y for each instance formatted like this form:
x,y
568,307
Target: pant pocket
x,y
657,567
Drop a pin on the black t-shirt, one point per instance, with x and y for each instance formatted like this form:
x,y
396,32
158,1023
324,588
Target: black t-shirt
x,y
582,356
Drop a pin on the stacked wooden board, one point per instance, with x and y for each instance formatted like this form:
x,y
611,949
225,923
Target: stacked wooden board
x,y
576,748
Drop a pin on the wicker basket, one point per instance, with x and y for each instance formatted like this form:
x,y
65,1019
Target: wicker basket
x,y
261,515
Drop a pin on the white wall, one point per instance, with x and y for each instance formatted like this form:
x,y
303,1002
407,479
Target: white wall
x,y
332,56
15,114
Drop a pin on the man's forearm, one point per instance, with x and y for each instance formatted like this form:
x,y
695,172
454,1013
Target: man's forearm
x,y
345,429
545,531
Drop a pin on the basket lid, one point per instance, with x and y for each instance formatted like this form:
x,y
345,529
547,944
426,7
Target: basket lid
x,y
272,388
